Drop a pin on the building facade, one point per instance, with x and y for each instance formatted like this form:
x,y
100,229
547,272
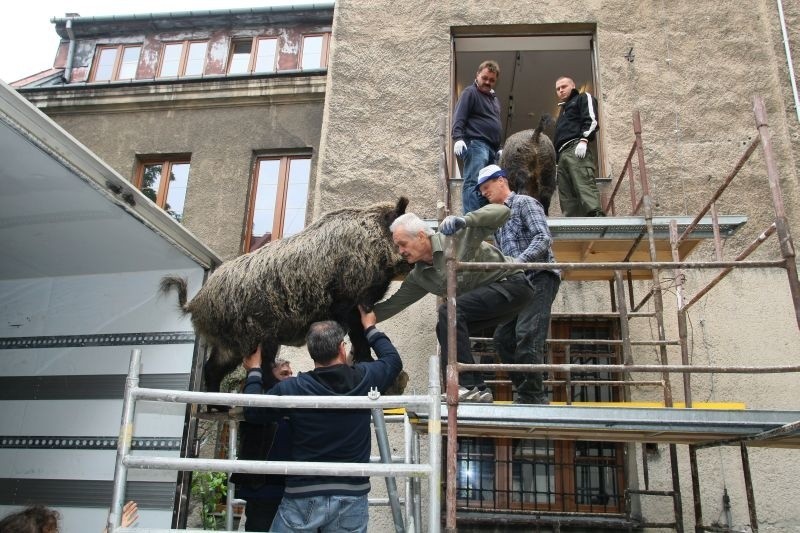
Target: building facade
x,y
357,99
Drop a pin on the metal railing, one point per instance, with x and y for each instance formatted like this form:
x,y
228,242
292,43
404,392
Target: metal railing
x,y
133,393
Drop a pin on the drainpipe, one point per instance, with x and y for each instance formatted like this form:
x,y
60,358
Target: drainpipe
x,y
792,79
71,52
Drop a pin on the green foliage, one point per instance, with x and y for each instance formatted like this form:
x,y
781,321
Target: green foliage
x,y
212,489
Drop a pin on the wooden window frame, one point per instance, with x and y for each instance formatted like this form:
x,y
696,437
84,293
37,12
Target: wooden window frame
x,y
280,200
564,459
326,37
120,50
233,44
167,163
184,60
254,55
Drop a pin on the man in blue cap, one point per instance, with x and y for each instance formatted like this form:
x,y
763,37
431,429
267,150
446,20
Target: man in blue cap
x,y
526,238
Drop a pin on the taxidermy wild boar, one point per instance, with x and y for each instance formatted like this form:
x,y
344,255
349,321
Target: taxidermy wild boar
x,y
530,160
272,295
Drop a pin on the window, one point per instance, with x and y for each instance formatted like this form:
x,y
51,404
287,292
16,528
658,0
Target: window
x,y
266,55
278,199
183,59
253,55
315,52
558,476
116,63
165,182
239,62
530,59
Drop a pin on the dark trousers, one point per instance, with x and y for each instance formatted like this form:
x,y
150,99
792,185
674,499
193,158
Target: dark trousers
x,y
482,307
260,514
522,340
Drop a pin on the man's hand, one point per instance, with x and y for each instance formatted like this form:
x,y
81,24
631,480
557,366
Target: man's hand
x,y
253,360
580,149
460,147
452,224
368,319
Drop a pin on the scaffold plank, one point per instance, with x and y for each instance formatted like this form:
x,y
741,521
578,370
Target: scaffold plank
x,y
612,424
612,239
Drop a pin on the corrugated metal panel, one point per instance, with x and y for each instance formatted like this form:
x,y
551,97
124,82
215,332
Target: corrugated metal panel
x,y
91,387
83,493
105,339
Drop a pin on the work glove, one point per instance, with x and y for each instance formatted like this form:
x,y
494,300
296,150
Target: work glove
x,y
452,224
580,150
460,147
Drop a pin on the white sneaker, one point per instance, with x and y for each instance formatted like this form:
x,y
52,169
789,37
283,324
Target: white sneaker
x,y
473,395
468,395
485,396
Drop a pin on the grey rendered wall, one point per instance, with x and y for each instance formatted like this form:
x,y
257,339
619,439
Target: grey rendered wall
x,y
697,67
222,142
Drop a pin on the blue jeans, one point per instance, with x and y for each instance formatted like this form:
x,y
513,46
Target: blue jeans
x,y
478,155
326,514
522,340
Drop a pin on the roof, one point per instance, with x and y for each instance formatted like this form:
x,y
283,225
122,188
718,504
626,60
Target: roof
x,y
185,20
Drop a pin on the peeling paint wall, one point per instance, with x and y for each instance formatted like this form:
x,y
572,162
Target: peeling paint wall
x,y
289,44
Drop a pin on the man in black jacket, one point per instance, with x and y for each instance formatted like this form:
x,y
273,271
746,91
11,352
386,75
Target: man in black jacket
x,y
327,503
575,129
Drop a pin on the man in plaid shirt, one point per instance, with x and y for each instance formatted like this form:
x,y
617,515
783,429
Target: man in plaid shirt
x,y
525,237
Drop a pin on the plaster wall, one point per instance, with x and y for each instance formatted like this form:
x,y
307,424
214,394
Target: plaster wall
x,y
696,69
223,143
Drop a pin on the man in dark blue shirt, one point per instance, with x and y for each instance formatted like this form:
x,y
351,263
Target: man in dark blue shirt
x,y
477,130
327,503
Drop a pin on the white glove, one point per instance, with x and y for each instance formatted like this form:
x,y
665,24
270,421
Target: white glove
x,y
499,154
460,147
452,224
580,149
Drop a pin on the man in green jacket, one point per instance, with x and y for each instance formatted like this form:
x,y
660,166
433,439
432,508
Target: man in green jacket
x,y
485,298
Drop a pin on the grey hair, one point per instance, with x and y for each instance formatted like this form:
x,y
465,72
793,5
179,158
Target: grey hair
x,y
323,340
412,225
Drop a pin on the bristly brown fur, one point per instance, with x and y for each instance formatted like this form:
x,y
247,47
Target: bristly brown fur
x,y
529,157
272,295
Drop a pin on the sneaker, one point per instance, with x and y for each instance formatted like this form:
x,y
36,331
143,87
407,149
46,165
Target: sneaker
x,y
468,395
463,393
473,395
485,396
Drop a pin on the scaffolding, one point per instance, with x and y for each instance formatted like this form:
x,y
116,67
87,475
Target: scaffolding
x,y
697,428
409,467
677,423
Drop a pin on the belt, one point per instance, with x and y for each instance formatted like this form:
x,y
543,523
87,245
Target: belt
x,y
568,143
512,276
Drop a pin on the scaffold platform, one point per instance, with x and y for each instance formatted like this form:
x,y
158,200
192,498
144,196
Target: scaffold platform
x,y
615,423
622,239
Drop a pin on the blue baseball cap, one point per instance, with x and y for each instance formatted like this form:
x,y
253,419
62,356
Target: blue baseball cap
x,y
489,173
